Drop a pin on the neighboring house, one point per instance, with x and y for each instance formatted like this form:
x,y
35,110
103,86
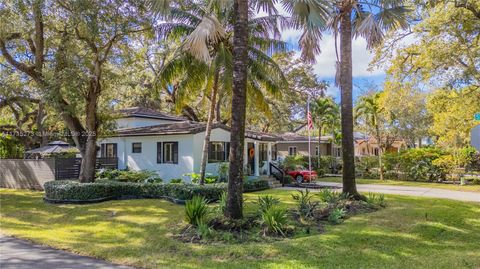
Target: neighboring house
x,y
172,146
369,146
295,144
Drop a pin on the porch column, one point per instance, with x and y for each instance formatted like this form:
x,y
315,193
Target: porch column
x,y
257,166
245,154
269,157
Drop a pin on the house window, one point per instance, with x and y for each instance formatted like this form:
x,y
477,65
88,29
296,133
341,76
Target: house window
x,y
170,152
263,152
167,152
363,151
218,152
292,151
376,152
137,147
108,150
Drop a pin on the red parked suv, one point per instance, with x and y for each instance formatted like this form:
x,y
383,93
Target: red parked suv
x,y
302,175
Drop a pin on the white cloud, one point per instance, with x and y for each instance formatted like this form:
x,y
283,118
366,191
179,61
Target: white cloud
x,y
325,65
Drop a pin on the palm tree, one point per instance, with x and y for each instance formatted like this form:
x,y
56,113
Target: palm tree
x,y
369,109
323,109
205,31
349,19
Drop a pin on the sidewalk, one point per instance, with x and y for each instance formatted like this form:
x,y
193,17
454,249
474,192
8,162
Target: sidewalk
x,y
20,254
412,191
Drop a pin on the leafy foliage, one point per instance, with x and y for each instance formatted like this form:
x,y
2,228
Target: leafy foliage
x,y
129,176
266,202
204,231
71,191
329,196
306,207
222,203
274,220
452,112
196,211
376,199
195,178
176,181
336,216
250,185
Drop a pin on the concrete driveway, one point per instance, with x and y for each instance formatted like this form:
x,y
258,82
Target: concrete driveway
x,y
20,254
412,191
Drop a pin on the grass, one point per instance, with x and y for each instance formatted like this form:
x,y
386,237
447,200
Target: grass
x,y
453,187
411,232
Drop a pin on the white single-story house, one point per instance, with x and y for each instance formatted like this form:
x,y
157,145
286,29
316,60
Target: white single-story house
x,y
172,146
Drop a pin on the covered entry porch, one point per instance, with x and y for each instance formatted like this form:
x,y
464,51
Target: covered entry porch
x,y
259,152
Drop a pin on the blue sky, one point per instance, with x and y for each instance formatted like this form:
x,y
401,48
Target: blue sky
x,y
324,67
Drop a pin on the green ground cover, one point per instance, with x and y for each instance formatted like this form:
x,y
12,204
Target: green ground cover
x,y
411,232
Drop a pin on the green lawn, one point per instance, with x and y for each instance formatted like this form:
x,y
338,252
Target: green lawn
x,y
456,187
410,233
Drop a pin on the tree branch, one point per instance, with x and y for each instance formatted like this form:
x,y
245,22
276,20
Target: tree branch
x,y
29,70
39,38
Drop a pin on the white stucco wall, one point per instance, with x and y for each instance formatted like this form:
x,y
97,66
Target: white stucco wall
x,y
147,159
217,134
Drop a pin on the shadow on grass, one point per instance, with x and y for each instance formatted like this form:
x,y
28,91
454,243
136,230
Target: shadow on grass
x,y
410,232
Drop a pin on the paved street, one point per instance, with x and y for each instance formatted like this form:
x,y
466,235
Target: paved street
x,y
413,191
21,254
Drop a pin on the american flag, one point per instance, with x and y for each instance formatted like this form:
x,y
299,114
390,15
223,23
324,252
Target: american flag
x,y
309,120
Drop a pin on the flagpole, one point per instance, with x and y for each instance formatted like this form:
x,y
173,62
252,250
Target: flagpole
x,y
308,130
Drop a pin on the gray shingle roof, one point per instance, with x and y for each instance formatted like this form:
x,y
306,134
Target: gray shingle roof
x,y
187,127
142,112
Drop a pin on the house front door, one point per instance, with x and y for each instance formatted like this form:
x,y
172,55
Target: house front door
x,y
251,159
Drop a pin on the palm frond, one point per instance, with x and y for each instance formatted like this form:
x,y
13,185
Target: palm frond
x,y
267,6
159,7
173,30
268,45
208,31
311,16
372,26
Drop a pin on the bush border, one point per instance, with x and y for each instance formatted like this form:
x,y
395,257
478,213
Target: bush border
x,y
253,186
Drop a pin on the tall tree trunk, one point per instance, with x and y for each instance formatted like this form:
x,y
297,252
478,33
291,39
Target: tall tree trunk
x,y
380,152
234,209
89,158
218,107
319,143
39,123
349,185
208,129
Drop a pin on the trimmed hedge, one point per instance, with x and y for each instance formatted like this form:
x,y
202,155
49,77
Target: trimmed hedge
x,y
68,191
255,185
73,191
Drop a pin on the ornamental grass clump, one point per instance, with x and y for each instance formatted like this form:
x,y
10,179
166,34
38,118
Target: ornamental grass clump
x,y
329,196
196,211
266,202
336,216
376,199
274,220
306,207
